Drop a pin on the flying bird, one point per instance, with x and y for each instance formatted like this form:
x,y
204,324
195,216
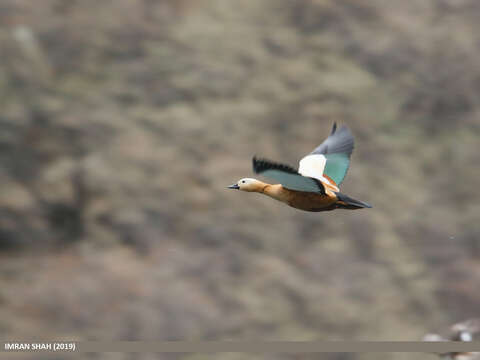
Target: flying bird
x,y
315,185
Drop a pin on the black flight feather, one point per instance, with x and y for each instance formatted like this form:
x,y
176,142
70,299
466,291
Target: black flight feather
x,y
262,165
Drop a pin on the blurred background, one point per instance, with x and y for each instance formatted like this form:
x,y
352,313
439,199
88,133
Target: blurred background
x,y
122,122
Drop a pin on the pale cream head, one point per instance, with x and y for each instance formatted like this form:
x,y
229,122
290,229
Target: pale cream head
x,y
247,184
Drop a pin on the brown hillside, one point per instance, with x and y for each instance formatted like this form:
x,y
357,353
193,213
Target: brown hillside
x,y
122,122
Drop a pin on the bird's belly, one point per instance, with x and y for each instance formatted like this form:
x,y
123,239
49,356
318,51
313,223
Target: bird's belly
x,y
311,201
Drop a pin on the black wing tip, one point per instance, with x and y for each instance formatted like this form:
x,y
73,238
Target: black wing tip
x,y
340,129
256,164
334,128
261,165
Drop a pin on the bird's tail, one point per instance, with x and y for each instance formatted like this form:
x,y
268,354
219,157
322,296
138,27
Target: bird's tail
x,y
346,202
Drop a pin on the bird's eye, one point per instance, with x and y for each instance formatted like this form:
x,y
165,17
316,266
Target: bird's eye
x,y
243,181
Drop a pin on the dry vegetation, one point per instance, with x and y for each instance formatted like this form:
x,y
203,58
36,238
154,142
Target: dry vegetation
x,y
122,122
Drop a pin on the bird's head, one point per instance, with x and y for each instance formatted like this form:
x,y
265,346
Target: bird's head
x,y
247,184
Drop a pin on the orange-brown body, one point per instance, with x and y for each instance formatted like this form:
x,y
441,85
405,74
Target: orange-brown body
x,y
302,200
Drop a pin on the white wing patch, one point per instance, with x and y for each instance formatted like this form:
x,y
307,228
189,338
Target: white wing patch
x,y
313,165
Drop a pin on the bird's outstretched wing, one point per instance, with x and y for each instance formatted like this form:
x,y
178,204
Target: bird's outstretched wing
x,y
331,158
287,176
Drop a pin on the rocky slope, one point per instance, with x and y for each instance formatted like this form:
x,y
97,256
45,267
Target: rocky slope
x,y
122,122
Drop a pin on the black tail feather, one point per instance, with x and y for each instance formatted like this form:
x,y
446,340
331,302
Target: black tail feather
x,y
351,203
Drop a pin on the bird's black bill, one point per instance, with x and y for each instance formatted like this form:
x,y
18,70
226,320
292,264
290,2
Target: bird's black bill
x,y
234,186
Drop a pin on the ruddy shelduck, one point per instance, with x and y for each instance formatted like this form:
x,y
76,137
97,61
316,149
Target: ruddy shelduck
x,y
314,186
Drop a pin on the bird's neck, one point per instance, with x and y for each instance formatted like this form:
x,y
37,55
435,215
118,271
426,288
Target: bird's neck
x,y
275,191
